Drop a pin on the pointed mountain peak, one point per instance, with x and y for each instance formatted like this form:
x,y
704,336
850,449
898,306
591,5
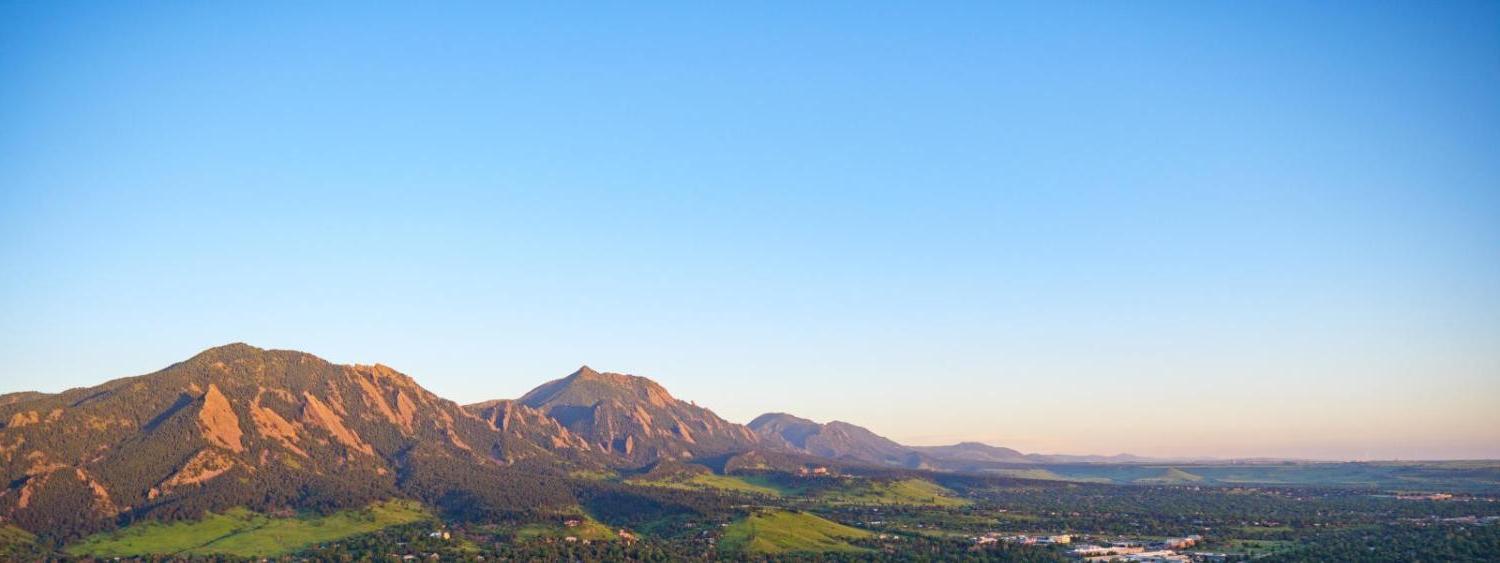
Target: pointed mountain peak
x,y
587,387
234,346
225,353
778,418
634,417
231,349
234,353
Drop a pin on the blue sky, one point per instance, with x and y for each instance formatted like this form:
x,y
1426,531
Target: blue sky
x,y
1198,228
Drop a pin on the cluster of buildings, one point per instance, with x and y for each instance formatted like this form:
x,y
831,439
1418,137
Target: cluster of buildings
x,y
1424,496
1162,551
1466,520
625,535
1165,551
994,537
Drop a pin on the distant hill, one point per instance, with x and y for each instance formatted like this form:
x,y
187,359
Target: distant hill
x,y
974,451
1171,475
841,440
837,440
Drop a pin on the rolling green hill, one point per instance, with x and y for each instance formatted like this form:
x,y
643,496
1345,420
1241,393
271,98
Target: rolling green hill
x,y
1172,476
772,532
20,545
911,492
710,481
587,529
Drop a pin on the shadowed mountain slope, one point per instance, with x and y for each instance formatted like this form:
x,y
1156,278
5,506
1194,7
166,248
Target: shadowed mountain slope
x,y
837,440
841,440
634,418
974,451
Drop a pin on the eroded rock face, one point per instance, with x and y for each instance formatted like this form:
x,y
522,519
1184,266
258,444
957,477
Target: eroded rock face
x,y
218,422
22,419
207,464
317,414
271,425
44,475
529,424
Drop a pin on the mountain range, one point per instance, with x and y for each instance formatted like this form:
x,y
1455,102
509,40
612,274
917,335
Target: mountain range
x,y
240,425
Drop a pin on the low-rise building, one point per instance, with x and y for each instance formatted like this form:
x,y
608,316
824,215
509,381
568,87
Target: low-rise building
x,y
1181,543
1093,551
1162,556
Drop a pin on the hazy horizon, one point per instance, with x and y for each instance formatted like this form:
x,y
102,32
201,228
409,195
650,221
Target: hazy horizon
x,y
1167,229
933,440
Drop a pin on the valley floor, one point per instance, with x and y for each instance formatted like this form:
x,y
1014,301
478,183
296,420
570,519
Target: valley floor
x,y
694,514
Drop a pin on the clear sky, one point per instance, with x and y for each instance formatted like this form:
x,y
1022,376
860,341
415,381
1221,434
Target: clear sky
x,y
1197,228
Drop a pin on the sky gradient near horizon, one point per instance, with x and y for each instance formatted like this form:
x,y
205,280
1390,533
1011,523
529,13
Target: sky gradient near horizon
x,y
1164,228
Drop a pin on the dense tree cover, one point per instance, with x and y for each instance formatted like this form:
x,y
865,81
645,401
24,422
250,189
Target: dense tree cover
x,y
651,507
1165,510
1396,542
484,512
1302,524
474,492
465,544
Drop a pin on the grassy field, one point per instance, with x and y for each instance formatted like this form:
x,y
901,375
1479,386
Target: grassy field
x,y
19,545
11,535
1252,547
751,484
781,531
243,533
1047,475
587,529
915,492
593,474
1261,529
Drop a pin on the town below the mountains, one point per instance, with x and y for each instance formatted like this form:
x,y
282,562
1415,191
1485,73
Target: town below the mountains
x,y
244,453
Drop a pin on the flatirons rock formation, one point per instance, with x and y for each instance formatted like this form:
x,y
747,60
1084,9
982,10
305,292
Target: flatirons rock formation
x,y
529,425
238,424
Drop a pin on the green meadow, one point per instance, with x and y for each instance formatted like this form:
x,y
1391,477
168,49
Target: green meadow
x,y
587,529
243,533
750,484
